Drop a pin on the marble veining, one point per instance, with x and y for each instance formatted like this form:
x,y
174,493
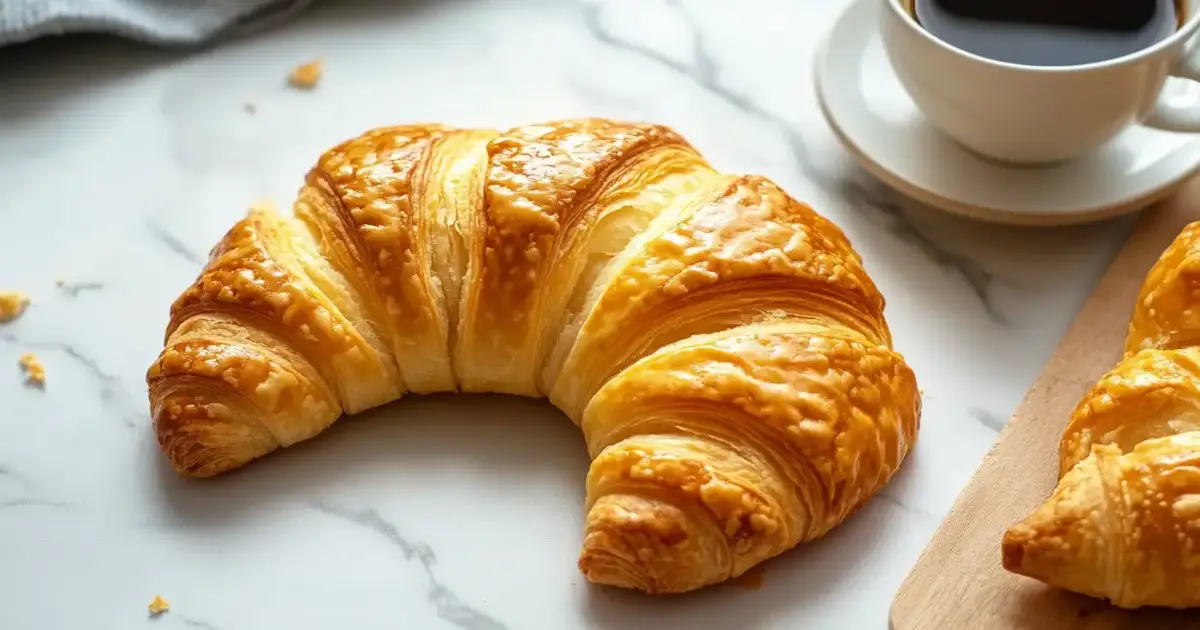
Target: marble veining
x,y
25,492
73,289
448,605
173,244
112,394
196,623
873,197
120,164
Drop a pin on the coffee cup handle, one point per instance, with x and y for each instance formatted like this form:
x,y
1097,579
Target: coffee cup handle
x,y
1175,116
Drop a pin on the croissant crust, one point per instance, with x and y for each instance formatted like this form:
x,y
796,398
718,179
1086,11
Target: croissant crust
x,y
1124,521
719,343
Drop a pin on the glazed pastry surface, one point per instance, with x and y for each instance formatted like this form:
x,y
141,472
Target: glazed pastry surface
x,y
718,343
1124,522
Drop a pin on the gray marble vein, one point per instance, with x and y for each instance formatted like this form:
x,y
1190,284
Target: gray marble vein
x,y
872,197
73,289
885,496
993,421
867,195
27,501
112,394
172,243
6,471
449,606
195,623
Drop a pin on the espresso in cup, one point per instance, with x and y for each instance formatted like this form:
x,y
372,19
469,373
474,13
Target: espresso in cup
x,y
1043,81
1049,32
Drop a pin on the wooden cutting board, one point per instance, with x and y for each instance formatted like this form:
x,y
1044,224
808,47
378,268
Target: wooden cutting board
x,y
958,582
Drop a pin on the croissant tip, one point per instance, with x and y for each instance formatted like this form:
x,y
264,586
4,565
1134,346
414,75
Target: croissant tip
x,y
1012,552
195,451
192,460
195,470
608,569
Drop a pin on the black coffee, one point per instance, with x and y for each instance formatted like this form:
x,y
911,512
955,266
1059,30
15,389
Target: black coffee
x,y
1049,32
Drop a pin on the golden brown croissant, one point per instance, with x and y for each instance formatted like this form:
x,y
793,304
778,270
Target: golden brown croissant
x,y
1124,522
719,343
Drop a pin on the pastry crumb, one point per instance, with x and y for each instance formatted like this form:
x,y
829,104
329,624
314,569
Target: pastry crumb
x,y
921,391
35,372
249,108
12,304
158,606
306,76
59,281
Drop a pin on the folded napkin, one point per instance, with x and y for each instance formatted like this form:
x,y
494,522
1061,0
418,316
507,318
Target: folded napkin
x,y
155,21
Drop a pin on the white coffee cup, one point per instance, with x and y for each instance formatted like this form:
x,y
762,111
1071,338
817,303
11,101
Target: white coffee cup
x,y
1039,114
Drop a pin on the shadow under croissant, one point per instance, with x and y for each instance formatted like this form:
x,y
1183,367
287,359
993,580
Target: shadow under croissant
x,y
523,442
506,437
1033,601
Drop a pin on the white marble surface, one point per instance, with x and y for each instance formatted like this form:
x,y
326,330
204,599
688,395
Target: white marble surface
x,y
120,165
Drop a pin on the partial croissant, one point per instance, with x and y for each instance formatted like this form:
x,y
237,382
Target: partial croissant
x,y
1124,522
719,343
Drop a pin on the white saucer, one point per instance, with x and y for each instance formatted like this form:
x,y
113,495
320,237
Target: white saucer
x,y
877,121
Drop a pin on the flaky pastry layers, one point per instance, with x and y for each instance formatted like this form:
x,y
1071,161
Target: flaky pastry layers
x,y
718,342
1124,522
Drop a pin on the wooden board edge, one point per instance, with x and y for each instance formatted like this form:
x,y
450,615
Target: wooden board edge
x,y
1152,232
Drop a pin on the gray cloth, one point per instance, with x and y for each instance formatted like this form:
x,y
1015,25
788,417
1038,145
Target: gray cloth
x,y
178,22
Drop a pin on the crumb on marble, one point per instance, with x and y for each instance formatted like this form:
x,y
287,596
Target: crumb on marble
x,y
12,304
60,281
35,372
158,606
249,108
306,76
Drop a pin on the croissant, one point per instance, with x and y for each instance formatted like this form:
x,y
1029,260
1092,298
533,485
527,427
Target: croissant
x,y
1124,522
718,343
